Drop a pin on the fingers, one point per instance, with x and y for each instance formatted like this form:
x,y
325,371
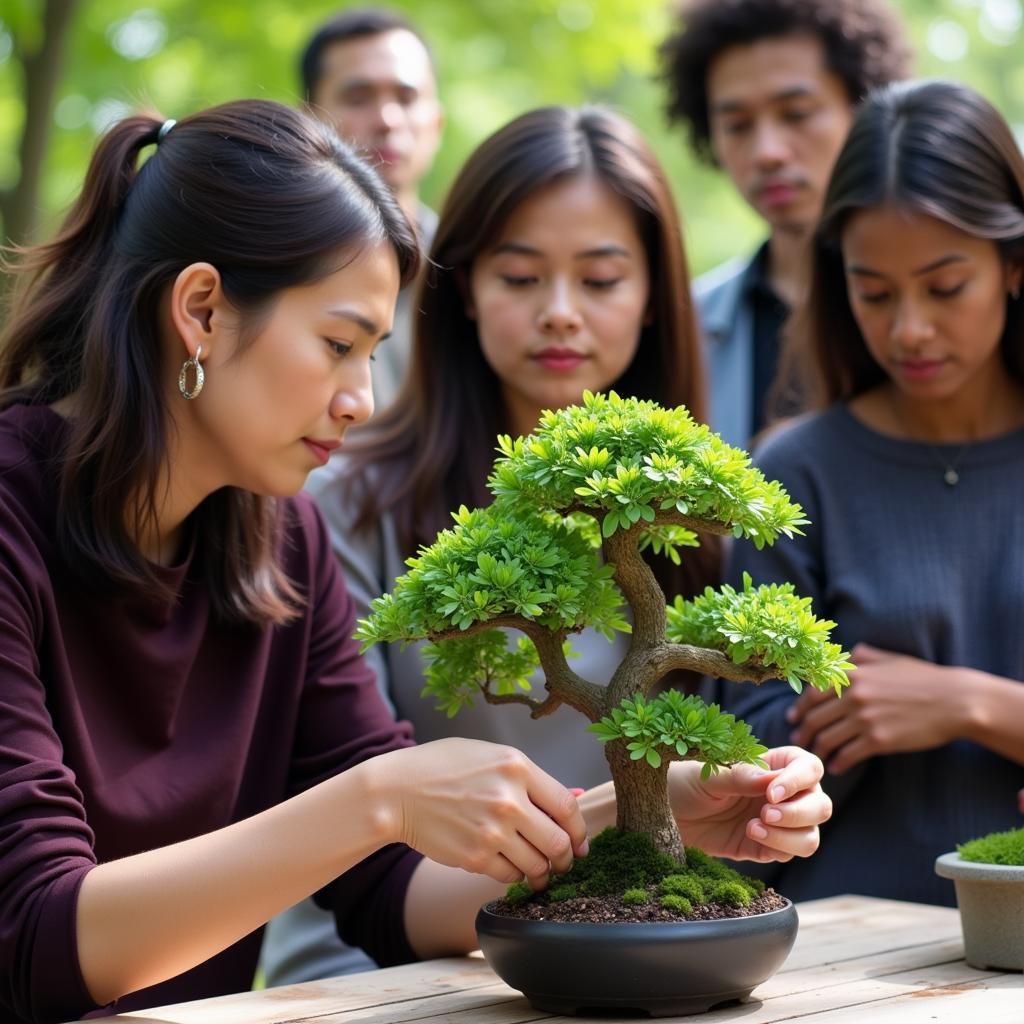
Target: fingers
x,y
782,844
806,702
530,863
501,869
832,738
560,806
820,717
850,754
862,654
797,771
804,811
788,823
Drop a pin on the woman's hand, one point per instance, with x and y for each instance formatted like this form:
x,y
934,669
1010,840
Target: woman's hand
x,y
894,704
749,814
481,807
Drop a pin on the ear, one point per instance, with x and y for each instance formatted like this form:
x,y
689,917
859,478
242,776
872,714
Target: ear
x,y
199,309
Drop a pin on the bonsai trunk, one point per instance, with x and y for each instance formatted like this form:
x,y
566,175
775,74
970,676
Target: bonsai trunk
x,y
641,794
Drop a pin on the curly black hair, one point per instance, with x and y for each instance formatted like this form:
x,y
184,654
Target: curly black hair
x,y
863,40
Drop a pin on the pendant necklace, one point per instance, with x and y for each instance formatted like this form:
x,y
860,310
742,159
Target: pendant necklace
x,y
951,476
949,471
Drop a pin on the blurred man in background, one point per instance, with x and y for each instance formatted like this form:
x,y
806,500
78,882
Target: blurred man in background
x,y
371,75
767,90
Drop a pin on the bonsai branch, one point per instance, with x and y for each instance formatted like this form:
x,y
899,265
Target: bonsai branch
x,y
709,662
538,708
667,517
564,685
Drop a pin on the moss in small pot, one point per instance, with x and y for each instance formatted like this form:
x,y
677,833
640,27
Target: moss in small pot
x,y
995,848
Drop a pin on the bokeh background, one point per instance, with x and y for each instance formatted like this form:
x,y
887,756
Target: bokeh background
x,y
70,67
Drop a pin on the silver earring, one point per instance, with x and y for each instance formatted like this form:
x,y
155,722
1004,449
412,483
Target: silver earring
x,y
1015,293
192,363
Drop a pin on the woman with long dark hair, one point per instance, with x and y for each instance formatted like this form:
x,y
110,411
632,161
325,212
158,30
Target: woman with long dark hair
x,y
558,266
176,640
912,475
189,739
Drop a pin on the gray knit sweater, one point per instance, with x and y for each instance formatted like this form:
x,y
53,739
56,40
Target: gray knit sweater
x,y
902,561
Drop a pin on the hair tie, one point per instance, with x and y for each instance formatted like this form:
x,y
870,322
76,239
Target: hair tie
x,y
164,129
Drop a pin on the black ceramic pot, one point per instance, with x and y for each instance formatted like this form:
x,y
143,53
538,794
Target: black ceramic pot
x,y
661,969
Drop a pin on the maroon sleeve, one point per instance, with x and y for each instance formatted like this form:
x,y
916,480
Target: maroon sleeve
x,y
46,846
343,721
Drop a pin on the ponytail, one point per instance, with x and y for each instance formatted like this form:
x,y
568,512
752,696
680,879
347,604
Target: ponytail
x,y
270,197
42,352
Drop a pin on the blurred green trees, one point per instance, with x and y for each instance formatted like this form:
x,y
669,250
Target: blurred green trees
x,y
495,58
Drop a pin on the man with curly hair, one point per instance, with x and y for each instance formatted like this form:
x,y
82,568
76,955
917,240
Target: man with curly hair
x,y
766,90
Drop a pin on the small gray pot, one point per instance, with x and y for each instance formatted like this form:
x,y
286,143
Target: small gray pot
x,y
991,901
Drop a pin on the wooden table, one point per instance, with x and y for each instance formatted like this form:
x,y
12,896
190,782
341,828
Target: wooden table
x,y
856,961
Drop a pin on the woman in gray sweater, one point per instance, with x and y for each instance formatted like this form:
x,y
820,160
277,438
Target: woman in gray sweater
x,y
913,478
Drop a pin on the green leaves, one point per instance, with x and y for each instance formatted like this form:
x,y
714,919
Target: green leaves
x,y
625,460
457,670
532,558
769,626
674,727
500,561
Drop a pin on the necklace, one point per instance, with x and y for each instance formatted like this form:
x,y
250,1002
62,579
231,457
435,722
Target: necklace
x,y
949,471
950,475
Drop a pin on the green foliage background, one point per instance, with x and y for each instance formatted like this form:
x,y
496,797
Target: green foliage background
x,y
496,59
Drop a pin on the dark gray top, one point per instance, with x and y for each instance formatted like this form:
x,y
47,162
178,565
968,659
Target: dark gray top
x,y
902,561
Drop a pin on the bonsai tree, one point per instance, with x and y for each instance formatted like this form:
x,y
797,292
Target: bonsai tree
x,y
560,548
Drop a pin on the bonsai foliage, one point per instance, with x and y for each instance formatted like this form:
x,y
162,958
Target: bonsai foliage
x,y
559,549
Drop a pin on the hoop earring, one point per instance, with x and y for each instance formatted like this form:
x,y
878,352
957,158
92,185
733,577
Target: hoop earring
x,y
192,363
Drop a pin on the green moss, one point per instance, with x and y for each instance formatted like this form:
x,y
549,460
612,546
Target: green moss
x,y
561,893
995,848
518,892
679,904
619,861
688,885
628,865
732,894
636,897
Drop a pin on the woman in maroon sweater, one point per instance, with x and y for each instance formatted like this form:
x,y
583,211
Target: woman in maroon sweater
x,y
189,741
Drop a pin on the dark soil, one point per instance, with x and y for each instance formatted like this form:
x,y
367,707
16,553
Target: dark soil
x,y
612,910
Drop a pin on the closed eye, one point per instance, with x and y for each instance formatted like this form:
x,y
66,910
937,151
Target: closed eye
x,y
602,283
339,348
948,293
873,298
514,281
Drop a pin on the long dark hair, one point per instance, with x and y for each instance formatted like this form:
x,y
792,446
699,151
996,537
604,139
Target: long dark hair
x,y
272,199
931,147
432,451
